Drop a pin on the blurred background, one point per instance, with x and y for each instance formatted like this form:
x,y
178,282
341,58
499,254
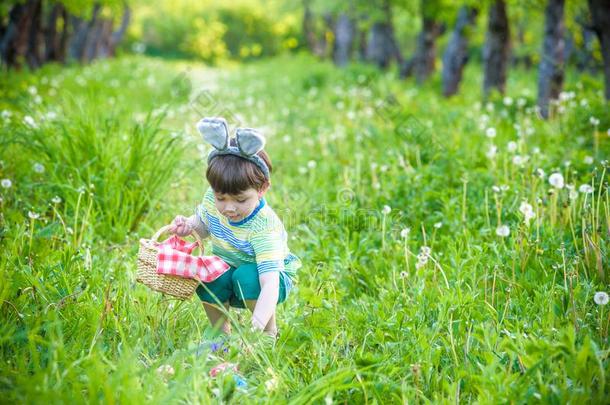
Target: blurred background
x,y
411,36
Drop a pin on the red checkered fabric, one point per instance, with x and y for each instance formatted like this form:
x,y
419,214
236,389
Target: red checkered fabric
x,y
174,257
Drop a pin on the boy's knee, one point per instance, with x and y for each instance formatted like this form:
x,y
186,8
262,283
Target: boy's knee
x,y
245,282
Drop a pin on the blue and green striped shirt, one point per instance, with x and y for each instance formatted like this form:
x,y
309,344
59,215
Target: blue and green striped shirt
x,y
259,238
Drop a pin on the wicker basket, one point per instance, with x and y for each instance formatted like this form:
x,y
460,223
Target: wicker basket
x,y
176,286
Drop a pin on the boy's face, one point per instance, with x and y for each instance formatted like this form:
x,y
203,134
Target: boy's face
x,y
236,207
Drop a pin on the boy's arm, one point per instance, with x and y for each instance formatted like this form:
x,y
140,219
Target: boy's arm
x,y
198,226
267,300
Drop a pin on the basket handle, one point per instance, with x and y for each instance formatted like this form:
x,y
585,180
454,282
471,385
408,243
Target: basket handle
x,y
166,228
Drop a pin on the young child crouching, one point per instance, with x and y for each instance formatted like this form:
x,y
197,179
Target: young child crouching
x,y
245,231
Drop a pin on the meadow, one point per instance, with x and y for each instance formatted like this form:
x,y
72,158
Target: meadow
x,y
453,250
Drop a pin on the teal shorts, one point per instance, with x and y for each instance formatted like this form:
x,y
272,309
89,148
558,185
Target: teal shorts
x,y
239,284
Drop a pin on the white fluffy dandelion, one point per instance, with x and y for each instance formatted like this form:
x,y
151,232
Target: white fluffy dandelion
x,y
33,215
386,210
601,298
519,160
6,183
528,212
490,132
29,121
556,180
405,233
585,189
503,231
311,164
56,199
438,225
491,152
511,146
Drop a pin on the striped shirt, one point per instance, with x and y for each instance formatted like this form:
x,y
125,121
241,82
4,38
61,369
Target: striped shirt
x,y
259,238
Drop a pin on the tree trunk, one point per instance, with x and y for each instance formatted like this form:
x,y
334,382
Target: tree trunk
x,y
362,34
584,54
344,40
64,39
93,39
14,44
456,53
52,39
117,35
308,26
381,47
496,48
92,32
550,74
82,33
322,47
600,14
33,54
423,62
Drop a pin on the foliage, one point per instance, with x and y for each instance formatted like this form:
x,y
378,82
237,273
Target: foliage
x,y
375,317
212,32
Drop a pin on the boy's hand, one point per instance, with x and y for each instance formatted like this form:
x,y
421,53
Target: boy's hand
x,y
181,226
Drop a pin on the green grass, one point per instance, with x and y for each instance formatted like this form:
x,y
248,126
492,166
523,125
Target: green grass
x,y
485,318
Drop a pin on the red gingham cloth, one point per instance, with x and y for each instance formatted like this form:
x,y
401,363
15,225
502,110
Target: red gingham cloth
x,y
174,257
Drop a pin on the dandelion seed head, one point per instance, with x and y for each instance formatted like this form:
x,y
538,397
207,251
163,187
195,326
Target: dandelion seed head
x,y
438,225
491,152
386,210
585,189
33,215
405,233
588,160
601,298
29,121
311,164
512,146
6,183
556,180
56,199
490,132
503,231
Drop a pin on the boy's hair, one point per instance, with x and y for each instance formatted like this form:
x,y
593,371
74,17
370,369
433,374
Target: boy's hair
x,y
230,174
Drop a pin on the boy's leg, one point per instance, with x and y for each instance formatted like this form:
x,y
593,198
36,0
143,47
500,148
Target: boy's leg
x,y
217,316
221,290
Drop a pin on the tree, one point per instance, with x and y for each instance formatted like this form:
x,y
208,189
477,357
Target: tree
x,y
381,46
345,31
456,53
39,31
600,15
496,48
550,74
423,62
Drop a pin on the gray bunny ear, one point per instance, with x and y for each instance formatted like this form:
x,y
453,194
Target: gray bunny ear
x,y
215,131
249,141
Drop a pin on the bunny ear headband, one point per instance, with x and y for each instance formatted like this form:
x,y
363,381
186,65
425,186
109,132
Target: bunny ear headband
x,y
249,141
